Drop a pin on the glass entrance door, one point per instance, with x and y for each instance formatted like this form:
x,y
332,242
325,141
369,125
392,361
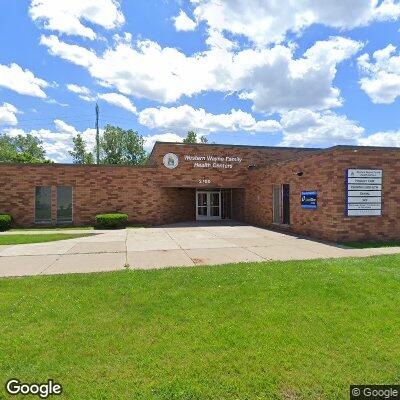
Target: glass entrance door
x,y
208,205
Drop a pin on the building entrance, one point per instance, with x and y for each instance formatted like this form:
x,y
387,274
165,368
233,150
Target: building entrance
x,y
213,204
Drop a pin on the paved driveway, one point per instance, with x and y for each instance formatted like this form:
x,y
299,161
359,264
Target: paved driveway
x,y
172,245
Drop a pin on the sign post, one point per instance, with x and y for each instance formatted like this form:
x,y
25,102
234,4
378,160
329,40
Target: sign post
x,y
363,192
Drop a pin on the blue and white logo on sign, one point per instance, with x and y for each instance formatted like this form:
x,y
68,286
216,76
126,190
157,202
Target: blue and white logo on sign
x,y
171,160
309,200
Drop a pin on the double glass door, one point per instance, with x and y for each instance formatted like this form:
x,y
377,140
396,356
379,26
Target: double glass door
x,y
208,205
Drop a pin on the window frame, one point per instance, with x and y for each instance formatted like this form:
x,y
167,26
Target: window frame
x,y
47,221
66,222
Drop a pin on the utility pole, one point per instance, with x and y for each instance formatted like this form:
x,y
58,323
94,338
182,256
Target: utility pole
x,y
97,136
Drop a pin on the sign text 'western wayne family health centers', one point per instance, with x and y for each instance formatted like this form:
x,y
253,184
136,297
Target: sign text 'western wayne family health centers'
x,y
226,162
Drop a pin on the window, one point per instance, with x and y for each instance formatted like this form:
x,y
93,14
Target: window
x,y
277,204
43,204
64,204
281,204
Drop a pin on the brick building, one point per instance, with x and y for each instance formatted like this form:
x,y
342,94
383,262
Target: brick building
x,y
341,193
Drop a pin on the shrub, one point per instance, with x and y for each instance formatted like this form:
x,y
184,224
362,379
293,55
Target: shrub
x,y
5,222
111,221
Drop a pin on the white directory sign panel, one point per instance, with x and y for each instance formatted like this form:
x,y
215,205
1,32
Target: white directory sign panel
x,y
363,192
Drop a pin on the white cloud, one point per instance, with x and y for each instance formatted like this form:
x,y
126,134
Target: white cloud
x,y
275,81
82,91
382,75
88,98
57,142
271,78
163,137
63,127
8,114
389,139
21,81
183,23
185,118
78,89
118,100
269,21
67,16
305,127
54,101
70,52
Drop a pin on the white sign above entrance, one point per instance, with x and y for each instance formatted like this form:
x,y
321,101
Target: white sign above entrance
x,y
219,162
363,192
171,160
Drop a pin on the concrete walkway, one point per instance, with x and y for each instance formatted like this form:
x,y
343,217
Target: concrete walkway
x,y
172,245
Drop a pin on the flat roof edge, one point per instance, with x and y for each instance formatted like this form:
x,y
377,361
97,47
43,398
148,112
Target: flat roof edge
x,y
351,147
338,146
236,145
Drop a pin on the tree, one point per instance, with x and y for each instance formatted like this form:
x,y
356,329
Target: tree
x,y
191,137
22,149
79,154
119,146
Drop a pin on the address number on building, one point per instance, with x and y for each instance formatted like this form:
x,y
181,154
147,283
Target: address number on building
x,y
204,181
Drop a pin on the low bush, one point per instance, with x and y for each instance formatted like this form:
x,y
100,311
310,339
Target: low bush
x,y
5,222
111,221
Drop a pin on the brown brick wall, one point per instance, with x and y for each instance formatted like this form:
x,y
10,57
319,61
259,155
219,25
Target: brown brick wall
x,y
150,195
317,175
157,195
326,173
96,190
387,226
185,175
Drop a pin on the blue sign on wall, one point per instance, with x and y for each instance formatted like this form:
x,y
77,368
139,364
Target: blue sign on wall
x,y
309,200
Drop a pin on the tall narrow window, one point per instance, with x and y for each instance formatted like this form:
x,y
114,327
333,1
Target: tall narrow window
x,y
286,204
64,204
277,204
43,204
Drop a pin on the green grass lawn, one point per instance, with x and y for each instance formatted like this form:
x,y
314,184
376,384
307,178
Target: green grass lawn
x,y
68,228
371,245
279,330
54,228
41,238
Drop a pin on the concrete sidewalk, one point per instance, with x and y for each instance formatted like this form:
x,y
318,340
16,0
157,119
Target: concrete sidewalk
x,y
172,245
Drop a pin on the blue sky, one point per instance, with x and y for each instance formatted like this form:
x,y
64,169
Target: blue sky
x,y
253,72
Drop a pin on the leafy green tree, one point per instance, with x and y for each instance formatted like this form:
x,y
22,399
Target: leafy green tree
x,y
191,137
79,153
119,146
22,149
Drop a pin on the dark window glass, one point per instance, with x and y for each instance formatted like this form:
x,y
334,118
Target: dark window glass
x,y
286,204
43,204
214,211
277,209
64,204
202,211
226,204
